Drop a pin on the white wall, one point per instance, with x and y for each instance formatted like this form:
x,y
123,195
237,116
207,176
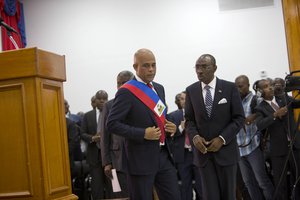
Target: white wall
x,y
100,37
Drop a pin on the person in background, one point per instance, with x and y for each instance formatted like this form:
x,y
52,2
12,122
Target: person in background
x,y
112,145
178,101
139,115
252,163
182,151
73,117
275,115
76,151
214,114
90,133
93,102
279,86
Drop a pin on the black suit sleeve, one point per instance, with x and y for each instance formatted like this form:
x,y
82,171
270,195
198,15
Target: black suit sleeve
x,y
85,129
264,118
105,137
119,117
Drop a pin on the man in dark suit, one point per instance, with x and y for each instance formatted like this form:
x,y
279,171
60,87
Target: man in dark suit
x,y
138,114
276,116
112,145
90,133
182,152
73,142
214,115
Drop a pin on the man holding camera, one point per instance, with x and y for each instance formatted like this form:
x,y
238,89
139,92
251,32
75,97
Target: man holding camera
x,y
276,116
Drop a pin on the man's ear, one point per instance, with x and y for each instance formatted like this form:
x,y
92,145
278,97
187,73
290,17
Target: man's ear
x,y
135,66
215,68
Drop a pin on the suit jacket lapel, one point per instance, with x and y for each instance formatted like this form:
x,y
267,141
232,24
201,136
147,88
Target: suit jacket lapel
x,y
94,118
198,97
217,96
268,107
280,102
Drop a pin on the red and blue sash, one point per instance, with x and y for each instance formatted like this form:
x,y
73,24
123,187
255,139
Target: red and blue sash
x,y
148,97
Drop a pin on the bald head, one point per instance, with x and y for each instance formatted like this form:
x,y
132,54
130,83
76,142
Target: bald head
x,y
145,65
142,54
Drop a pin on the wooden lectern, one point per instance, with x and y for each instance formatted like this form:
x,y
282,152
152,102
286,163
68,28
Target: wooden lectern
x,y
34,160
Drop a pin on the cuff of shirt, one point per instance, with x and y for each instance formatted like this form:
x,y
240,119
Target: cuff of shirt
x,y
224,141
195,137
180,128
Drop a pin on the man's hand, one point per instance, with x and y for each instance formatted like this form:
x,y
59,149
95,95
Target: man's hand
x,y
280,112
250,119
215,144
107,171
152,133
170,127
96,138
200,143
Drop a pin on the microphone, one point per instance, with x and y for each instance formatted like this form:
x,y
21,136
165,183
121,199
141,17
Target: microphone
x,y
5,25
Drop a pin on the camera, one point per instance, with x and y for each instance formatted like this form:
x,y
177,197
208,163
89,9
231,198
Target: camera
x,y
292,83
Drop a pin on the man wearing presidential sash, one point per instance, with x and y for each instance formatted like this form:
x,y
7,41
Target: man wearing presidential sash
x,y
139,115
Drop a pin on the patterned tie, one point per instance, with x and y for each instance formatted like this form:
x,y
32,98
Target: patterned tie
x,y
274,106
159,123
208,100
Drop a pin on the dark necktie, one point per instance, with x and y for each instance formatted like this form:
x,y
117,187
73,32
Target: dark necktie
x,y
208,100
98,128
159,122
186,137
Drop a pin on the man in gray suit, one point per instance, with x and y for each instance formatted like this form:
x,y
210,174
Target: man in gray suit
x,y
112,146
214,115
90,133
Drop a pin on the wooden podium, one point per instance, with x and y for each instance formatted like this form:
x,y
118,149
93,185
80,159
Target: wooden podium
x,y
34,160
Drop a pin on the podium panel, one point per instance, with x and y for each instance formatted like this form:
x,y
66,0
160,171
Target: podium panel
x,y
33,140
14,147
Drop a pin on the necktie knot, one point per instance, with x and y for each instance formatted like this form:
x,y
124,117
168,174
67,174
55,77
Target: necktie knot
x,y
207,87
150,85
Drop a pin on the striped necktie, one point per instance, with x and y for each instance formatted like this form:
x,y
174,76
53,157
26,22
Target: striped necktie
x,y
98,129
208,100
274,106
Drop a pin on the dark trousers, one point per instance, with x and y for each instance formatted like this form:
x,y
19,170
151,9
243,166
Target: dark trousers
x,y
185,171
218,182
98,182
164,180
122,178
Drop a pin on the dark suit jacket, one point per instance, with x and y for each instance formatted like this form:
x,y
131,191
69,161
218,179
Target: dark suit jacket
x,y
226,120
88,130
73,140
112,145
278,128
178,140
129,118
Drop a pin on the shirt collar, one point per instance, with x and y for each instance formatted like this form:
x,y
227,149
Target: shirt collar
x,y
248,96
273,100
212,84
140,80
97,111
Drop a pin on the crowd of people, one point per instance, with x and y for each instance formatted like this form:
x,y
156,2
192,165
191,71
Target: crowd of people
x,y
223,141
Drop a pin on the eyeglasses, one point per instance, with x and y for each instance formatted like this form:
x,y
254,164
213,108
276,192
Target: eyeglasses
x,y
203,67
